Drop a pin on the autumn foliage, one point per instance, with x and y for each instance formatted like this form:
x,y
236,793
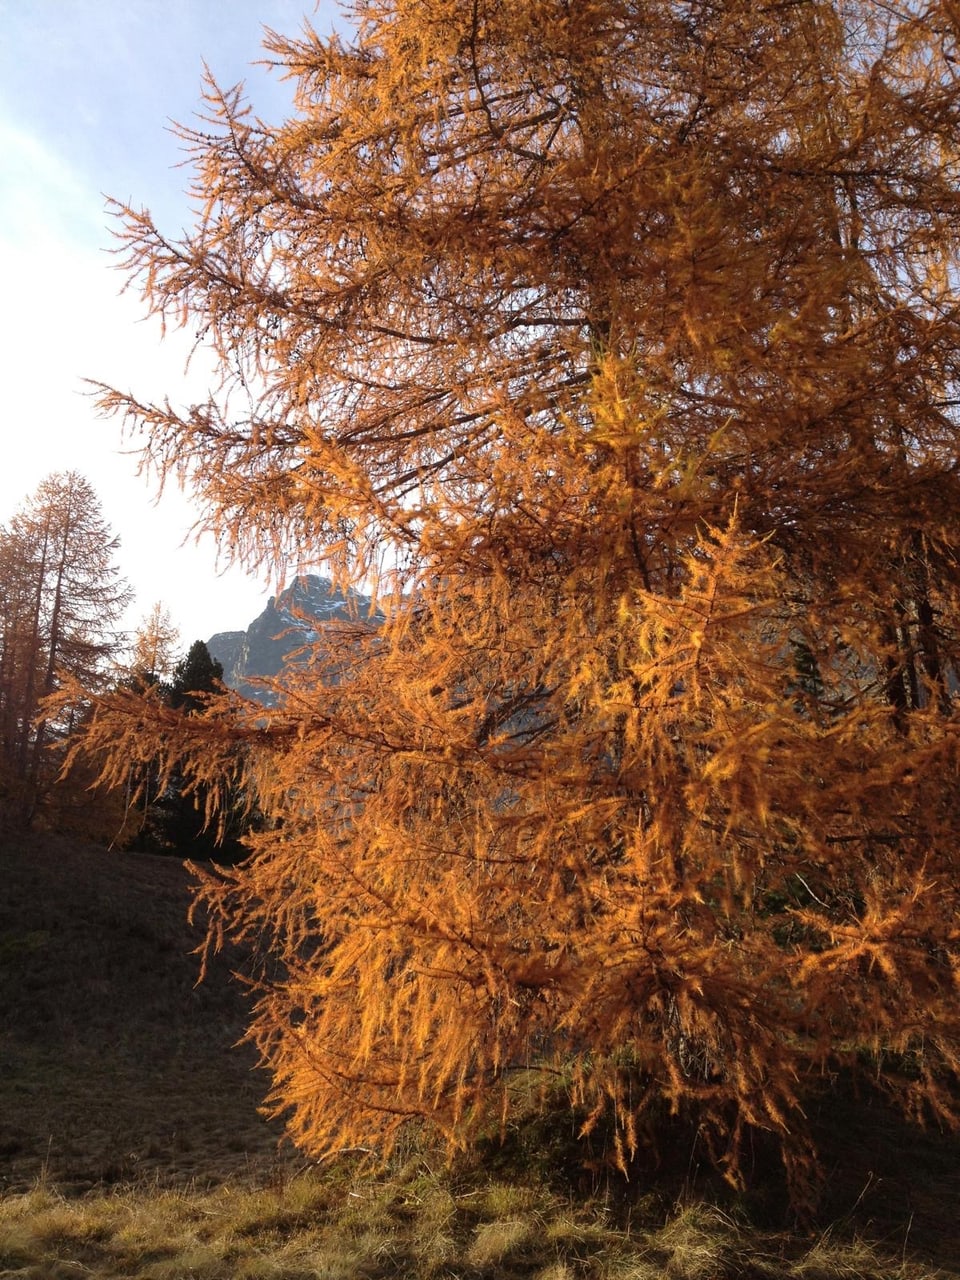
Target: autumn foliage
x,y
617,342
61,600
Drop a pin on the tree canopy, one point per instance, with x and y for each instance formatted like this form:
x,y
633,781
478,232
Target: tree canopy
x,y
625,335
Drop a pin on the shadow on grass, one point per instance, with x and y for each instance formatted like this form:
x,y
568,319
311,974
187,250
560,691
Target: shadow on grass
x,y
131,1143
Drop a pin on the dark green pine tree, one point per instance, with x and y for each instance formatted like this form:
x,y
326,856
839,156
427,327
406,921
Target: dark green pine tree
x,y
182,828
197,673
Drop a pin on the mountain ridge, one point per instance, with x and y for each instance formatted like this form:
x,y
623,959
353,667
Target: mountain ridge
x,y
290,620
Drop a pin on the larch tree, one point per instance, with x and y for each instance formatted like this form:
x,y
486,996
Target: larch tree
x,y
626,334
155,646
62,603
151,663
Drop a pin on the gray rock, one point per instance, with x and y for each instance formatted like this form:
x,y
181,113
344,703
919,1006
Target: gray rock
x,y
290,621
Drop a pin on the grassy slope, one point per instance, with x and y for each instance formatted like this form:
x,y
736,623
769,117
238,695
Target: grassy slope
x,y
113,1064
131,1144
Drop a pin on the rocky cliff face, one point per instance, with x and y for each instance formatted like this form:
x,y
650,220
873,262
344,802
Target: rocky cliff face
x,y
292,619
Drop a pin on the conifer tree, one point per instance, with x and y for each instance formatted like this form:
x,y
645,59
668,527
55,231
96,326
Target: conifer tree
x,y
152,661
197,673
627,334
155,646
172,809
185,825
63,599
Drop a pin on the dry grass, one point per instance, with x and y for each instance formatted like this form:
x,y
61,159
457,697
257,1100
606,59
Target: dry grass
x,y
131,1144
340,1225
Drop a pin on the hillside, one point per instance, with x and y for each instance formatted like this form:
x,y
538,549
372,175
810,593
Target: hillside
x,y
114,1065
131,1144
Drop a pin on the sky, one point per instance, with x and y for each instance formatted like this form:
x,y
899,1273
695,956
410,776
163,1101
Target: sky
x,y
88,91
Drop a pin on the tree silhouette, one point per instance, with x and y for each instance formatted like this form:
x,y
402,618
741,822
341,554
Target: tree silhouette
x,y
185,827
627,334
177,812
196,673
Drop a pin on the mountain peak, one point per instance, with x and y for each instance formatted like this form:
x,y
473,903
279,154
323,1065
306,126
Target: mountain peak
x,y
291,619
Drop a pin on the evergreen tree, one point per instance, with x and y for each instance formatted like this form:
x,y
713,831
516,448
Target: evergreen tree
x,y
179,815
185,826
195,674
